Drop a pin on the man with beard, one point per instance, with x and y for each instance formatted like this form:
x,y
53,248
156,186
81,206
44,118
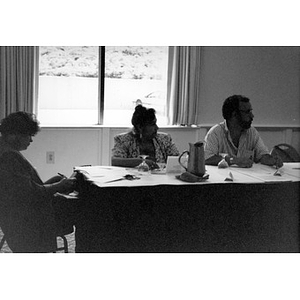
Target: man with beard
x,y
235,139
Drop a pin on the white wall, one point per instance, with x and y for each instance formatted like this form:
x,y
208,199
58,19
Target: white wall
x,y
71,148
269,76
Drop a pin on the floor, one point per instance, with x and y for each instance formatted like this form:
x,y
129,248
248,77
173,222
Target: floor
x,y
70,239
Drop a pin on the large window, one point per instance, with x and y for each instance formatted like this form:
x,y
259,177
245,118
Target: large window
x,y
69,92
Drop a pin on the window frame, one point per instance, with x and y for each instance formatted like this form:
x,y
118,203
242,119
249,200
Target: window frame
x,y
101,85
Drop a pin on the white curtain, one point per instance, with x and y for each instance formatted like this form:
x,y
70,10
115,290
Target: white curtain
x,y
18,79
183,85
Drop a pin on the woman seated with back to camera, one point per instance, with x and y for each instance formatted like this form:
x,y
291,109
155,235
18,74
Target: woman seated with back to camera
x,y
143,139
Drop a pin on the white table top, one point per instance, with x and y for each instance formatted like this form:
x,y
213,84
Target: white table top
x,y
100,175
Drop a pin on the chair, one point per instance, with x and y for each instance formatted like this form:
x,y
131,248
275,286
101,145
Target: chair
x,y
286,152
61,235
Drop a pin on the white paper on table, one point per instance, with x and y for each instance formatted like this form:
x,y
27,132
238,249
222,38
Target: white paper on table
x,y
292,169
218,175
99,175
265,173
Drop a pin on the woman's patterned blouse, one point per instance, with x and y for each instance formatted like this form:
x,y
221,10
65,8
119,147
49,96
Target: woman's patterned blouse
x,y
127,146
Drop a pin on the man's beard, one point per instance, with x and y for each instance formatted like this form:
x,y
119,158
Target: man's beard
x,y
245,124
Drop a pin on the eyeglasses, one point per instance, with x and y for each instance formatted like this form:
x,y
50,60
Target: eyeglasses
x,y
247,112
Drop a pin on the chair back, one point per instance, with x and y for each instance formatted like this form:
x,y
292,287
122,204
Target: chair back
x,y
286,152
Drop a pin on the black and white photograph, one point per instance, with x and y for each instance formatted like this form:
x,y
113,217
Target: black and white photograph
x,y
166,169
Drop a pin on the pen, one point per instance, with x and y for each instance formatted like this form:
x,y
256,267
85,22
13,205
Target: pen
x,y
62,175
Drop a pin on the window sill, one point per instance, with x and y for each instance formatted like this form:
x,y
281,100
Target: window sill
x,y
203,126
112,127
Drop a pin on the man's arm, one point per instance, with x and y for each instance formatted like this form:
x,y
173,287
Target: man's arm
x,y
213,160
241,162
269,160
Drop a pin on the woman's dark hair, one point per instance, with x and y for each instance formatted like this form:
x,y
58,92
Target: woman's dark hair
x,y
232,104
20,122
142,116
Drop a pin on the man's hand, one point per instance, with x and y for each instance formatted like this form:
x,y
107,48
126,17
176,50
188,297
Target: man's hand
x,y
242,162
278,161
270,160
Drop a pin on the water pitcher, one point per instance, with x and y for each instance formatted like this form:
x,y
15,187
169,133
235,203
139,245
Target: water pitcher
x,y
196,159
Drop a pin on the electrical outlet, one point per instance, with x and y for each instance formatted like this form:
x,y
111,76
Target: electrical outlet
x,y
50,157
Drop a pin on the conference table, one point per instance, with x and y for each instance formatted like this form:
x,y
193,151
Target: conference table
x,y
233,210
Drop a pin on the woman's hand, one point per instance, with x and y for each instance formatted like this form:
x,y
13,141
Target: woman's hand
x,y
66,185
152,164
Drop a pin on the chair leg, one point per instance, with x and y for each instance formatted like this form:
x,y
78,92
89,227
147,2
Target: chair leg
x,y
65,247
65,244
2,242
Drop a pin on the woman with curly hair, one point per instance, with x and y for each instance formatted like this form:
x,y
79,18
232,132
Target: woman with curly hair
x,y
143,139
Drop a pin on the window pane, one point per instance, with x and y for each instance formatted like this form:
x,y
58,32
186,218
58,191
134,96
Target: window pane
x,y
132,73
68,85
